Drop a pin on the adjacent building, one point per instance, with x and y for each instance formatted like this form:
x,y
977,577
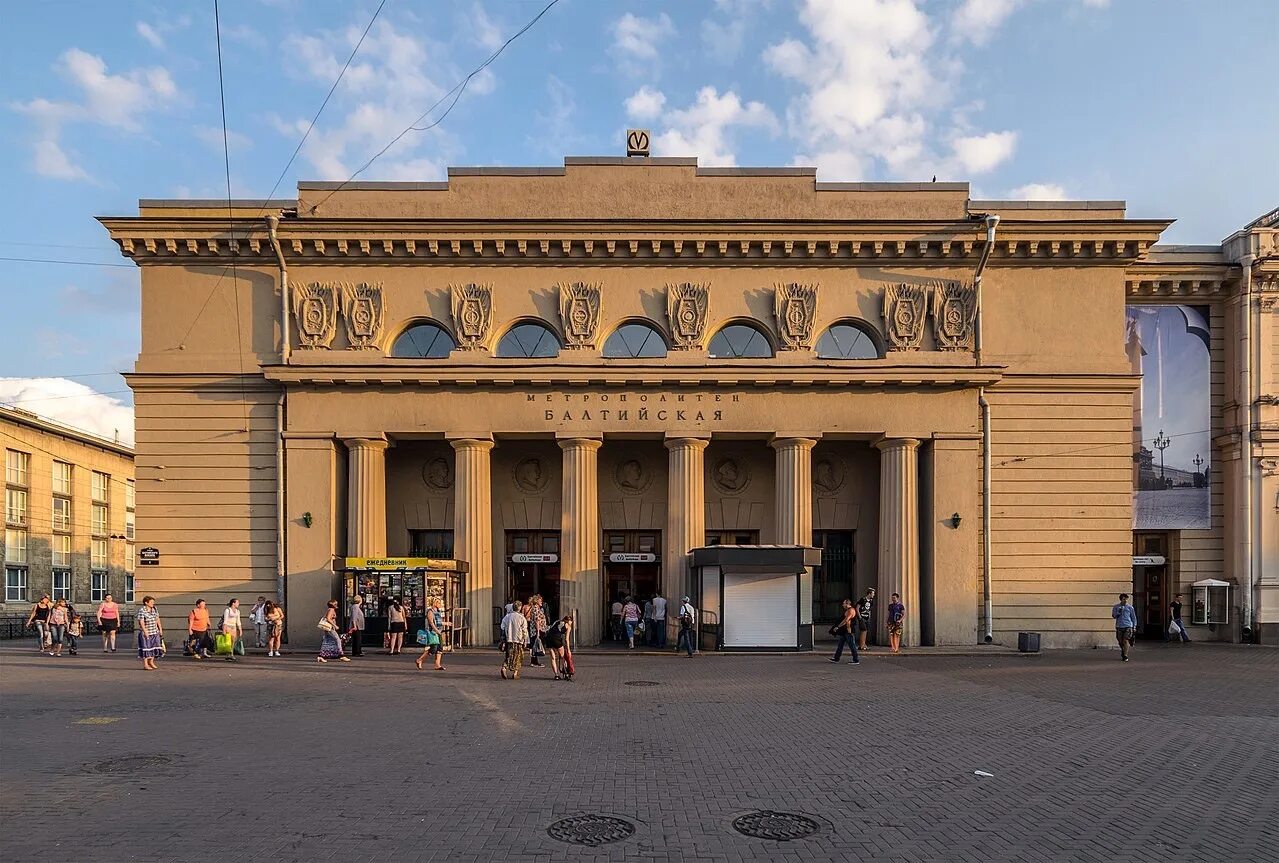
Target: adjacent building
x,y
70,513
562,380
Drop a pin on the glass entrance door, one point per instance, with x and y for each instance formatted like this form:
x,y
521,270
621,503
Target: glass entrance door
x,y
532,567
833,580
632,567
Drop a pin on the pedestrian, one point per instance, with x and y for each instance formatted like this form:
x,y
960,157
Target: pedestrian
x,y
198,630
39,618
231,627
75,629
258,616
630,620
659,621
896,615
615,619
536,627
58,620
1176,627
275,628
330,635
556,640
865,607
687,627
356,629
515,634
646,624
434,630
1125,625
108,622
846,632
150,633
397,623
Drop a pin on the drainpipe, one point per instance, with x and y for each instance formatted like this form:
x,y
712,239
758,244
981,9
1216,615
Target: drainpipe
x,y
992,222
272,227
1245,385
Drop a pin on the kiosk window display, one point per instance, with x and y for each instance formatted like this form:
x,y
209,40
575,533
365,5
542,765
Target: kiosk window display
x,y
415,580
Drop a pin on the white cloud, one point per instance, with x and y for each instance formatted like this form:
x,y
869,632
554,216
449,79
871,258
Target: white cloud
x,y
114,101
723,40
639,39
706,128
1096,4
72,404
212,136
149,33
876,93
645,104
1039,192
977,20
487,33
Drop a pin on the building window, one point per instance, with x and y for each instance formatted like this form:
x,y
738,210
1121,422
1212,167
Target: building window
x,y
15,506
128,588
98,586
848,341
100,485
423,341
128,557
61,478
431,543
130,494
15,584
99,518
61,585
15,545
61,549
529,341
17,465
128,526
739,342
98,554
61,513
635,341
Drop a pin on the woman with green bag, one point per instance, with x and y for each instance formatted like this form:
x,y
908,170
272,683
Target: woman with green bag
x,y
432,637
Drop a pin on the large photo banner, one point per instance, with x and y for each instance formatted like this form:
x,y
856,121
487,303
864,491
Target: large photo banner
x,y
1168,346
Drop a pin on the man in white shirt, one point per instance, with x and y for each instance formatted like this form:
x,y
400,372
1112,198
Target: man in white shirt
x,y
659,620
615,619
515,635
258,616
687,627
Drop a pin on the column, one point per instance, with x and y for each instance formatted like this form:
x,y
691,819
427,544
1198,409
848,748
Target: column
x,y
473,530
794,489
581,590
366,497
685,515
899,533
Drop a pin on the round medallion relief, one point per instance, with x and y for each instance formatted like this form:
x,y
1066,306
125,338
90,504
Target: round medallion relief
x,y
530,476
730,476
437,473
632,477
829,472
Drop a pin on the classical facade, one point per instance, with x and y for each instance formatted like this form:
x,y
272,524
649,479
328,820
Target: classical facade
x,y
570,377
69,514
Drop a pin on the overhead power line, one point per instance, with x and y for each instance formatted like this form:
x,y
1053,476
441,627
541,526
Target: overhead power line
x,y
69,263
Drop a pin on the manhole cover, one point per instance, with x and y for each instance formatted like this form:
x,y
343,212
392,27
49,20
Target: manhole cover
x,y
591,830
642,683
778,826
131,763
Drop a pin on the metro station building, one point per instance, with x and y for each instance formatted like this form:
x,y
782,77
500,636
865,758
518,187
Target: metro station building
x,y
566,378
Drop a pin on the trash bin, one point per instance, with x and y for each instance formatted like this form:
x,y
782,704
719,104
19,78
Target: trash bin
x,y
1028,642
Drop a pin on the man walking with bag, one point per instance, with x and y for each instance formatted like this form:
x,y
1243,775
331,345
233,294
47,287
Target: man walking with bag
x,y
687,628
1176,629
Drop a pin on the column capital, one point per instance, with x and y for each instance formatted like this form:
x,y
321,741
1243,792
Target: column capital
x,y
788,440
687,442
471,443
887,443
568,440
366,442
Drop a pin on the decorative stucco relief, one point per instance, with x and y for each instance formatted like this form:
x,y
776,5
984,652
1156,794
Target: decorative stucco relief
x,y
954,309
530,476
472,315
437,473
315,308
904,309
730,476
580,313
632,477
795,306
362,309
686,305
829,472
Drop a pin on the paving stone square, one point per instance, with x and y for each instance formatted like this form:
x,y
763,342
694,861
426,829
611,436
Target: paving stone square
x,y
1173,756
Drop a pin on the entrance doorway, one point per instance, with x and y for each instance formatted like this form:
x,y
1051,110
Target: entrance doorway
x,y
532,566
632,567
833,580
1151,592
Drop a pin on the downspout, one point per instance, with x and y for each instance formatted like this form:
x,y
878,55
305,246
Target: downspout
x,y
992,222
272,227
1245,383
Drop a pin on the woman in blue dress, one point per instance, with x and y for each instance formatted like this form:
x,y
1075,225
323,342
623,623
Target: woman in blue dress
x,y
150,634
435,624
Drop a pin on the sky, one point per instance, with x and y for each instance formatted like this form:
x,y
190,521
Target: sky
x,y
1162,103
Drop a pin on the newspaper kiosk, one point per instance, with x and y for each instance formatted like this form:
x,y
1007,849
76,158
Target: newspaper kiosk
x,y
415,580
755,597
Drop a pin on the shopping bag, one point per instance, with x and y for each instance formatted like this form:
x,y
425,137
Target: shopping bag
x,y
223,644
237,649
1172,629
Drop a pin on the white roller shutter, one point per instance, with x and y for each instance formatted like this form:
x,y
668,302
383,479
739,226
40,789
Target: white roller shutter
x,y
760,610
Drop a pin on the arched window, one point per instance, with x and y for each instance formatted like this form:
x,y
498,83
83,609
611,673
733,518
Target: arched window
x,y
848,341
739,342
423,341
529,341
634,341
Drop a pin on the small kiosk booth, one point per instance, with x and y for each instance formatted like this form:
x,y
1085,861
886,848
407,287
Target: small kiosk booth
x,y
754,597
415,580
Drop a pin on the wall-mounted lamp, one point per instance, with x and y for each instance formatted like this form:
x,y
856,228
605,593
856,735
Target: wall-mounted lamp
x,y
955,520
306,519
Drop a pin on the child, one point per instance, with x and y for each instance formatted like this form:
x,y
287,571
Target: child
x,y
74,630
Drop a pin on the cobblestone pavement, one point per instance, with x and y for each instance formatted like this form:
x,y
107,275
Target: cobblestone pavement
x,y
1173,756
